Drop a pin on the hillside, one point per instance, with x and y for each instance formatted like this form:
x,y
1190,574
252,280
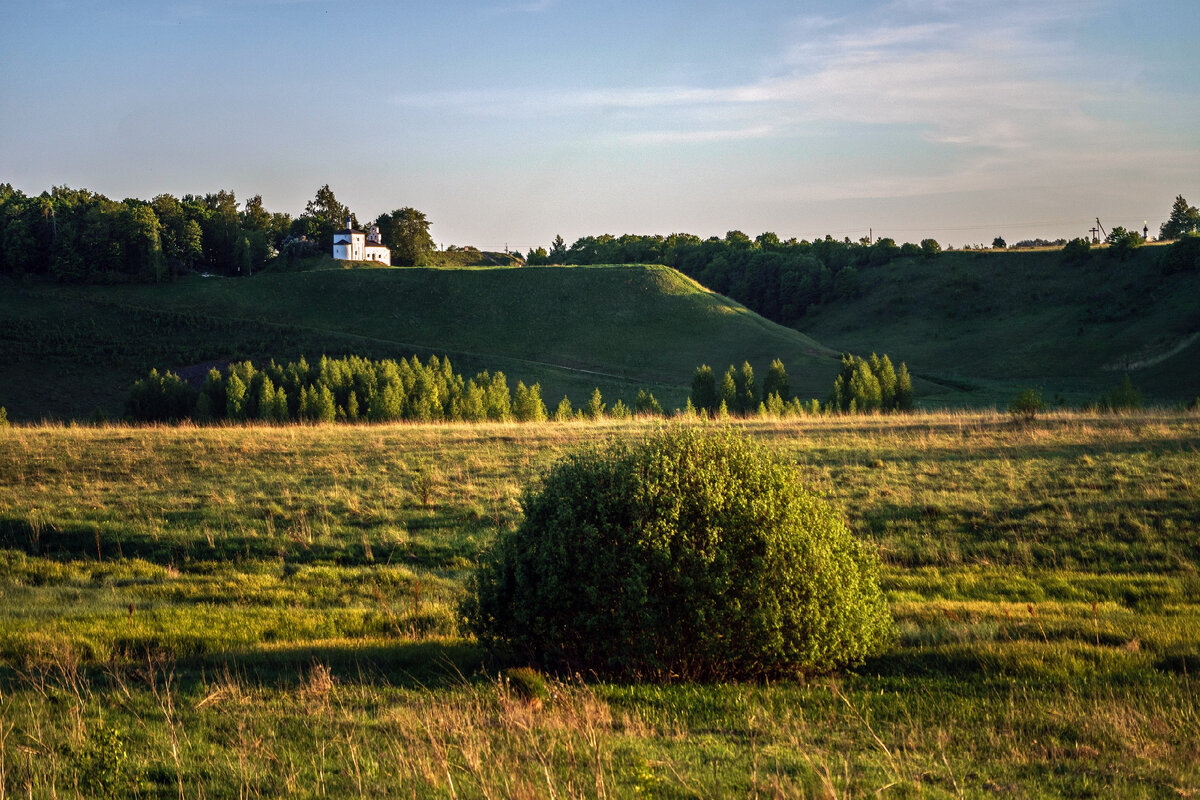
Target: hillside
x,y
70,350
988,322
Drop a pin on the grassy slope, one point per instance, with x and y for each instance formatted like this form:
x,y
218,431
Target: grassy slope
x,y
998,320
270,611
979,324
68,350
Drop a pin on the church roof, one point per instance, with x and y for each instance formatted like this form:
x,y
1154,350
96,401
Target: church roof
x,y
348,230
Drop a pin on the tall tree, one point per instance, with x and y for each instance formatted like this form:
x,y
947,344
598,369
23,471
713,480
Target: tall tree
x,y
595,406
143,253
563,413
885,373
255,216
1184,219
325,207
222,227
704,390
527,405
747,390
729,390
406,232
322,217
865,392
776,382
904,389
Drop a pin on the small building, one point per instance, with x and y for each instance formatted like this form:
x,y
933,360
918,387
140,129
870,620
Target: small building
x,y
352,245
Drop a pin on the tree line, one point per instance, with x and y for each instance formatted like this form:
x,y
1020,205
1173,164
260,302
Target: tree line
x,y
779,279
79,236
783,279
354,389
349,389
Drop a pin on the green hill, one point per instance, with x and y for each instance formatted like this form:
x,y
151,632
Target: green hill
x,y
66,351
975,325
984,323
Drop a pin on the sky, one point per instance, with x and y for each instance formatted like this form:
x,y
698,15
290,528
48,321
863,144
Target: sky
x,y
508,122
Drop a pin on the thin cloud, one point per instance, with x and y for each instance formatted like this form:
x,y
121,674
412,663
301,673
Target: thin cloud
x,y
697,136
992,87
531,7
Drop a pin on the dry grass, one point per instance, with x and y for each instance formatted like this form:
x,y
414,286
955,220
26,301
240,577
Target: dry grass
x,y
269,611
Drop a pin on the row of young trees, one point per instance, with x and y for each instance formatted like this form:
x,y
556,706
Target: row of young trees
x,y
738,392
355,389
335,389
861,386
867,385
79,236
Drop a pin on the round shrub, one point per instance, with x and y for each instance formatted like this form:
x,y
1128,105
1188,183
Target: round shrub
x,y
693,554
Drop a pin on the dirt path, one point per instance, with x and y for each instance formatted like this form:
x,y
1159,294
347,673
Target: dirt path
x,y
1180,346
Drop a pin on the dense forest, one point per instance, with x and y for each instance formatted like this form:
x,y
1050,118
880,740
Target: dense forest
x,y
79,236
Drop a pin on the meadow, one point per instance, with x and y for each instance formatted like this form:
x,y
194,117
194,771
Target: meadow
x,y
270,611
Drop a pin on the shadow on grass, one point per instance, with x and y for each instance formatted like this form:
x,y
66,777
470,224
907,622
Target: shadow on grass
x,y
103,542
404,665
408,665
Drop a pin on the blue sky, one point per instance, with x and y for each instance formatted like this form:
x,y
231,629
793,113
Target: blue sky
x,y
508,122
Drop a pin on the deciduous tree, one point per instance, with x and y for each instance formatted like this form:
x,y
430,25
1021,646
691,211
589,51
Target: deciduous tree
x,y
704,395
322,217
406,232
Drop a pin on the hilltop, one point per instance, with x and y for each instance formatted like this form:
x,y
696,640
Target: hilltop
x,y
69,350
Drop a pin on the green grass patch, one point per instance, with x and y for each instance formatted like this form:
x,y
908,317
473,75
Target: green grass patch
x,y
271,611
984,324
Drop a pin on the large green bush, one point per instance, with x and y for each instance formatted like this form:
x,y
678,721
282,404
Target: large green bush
x,y
692,554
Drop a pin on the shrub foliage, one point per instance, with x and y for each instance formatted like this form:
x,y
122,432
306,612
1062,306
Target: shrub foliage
x,y
692,554
1026,405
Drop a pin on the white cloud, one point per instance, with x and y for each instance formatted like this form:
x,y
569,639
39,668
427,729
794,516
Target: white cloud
x,y
993,88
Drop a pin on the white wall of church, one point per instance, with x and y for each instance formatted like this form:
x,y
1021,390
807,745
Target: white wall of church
x,y
354,247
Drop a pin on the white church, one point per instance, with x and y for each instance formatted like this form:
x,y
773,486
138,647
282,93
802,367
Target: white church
x,y
352,245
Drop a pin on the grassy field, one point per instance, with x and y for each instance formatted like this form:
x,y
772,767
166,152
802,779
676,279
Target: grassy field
x,y
68,350
262,612
986,322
